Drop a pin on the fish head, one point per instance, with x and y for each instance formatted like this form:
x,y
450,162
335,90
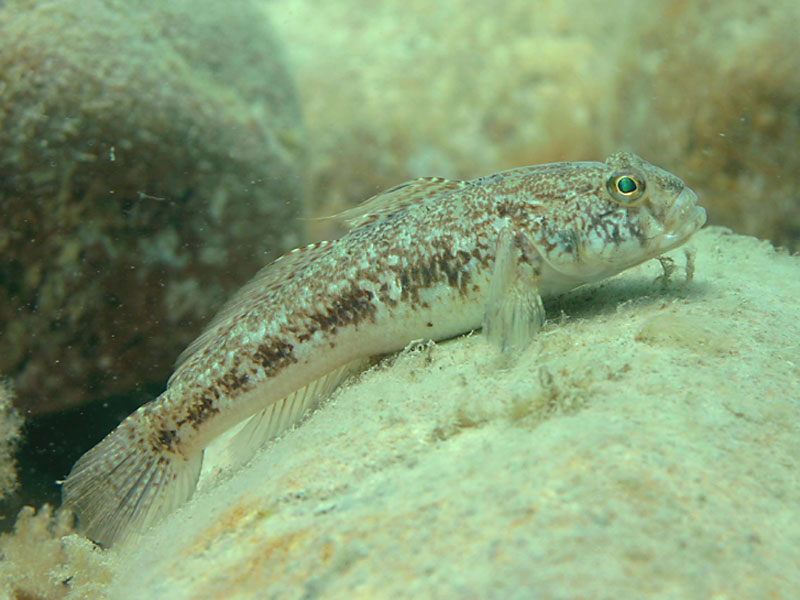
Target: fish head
x,y
624,212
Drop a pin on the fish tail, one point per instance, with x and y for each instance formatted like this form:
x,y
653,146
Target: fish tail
x,y
126,483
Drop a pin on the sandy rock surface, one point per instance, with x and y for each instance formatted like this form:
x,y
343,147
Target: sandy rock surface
x,y
645,445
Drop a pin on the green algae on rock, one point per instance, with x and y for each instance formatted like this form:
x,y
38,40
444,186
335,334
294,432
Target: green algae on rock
x,y
10,427
149,166
43,560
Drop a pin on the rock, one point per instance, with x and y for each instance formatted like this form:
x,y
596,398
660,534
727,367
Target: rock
x,y
645,445
714,94
149,168
463,89
10,429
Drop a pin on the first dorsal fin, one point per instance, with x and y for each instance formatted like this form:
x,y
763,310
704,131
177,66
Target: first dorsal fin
x,y
265,283
396,199
518,173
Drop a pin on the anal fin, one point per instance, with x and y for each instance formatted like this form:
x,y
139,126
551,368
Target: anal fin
x,y
285,413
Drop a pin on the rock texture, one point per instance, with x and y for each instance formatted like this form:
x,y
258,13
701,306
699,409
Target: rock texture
x,y
715,91
707,90
148,169
10,433
646,445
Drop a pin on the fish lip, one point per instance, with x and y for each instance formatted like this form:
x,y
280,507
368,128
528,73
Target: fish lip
x,y
683,219
699,218
684,210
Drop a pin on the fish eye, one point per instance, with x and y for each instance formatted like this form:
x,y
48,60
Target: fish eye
x,y
626,188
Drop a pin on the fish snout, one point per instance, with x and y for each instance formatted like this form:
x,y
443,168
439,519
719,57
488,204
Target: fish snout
x,y
685,216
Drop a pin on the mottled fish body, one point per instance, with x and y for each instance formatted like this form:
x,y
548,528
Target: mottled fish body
x,y
430,258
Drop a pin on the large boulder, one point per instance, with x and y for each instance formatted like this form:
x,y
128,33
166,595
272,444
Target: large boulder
x,y
148,154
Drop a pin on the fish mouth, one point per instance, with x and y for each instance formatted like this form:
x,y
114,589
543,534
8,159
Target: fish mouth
x,y
683,219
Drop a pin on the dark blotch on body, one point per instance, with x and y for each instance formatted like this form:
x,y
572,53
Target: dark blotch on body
x,y
200,411
349,308
445,266
274,355
165,440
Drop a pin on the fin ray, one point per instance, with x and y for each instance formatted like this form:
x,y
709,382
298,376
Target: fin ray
x,y
396,199
514,310
280,416
122,486
399,197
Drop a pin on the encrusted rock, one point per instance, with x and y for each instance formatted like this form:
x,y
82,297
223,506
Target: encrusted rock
x,y
149,167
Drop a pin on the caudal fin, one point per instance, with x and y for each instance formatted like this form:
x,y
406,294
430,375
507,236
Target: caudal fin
x,y
123,485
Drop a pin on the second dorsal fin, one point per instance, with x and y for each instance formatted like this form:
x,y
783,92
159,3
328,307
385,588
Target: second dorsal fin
x,y
264,283
396,199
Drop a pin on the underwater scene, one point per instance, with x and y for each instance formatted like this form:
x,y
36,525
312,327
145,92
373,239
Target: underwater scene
x,y
399,299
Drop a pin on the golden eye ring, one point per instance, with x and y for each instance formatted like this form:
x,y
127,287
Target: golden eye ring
x,y
626,188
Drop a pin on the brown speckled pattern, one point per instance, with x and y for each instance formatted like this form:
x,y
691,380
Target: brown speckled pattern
x,y
417,264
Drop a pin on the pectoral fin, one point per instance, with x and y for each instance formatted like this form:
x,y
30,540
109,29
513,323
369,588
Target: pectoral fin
x,y
514,310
